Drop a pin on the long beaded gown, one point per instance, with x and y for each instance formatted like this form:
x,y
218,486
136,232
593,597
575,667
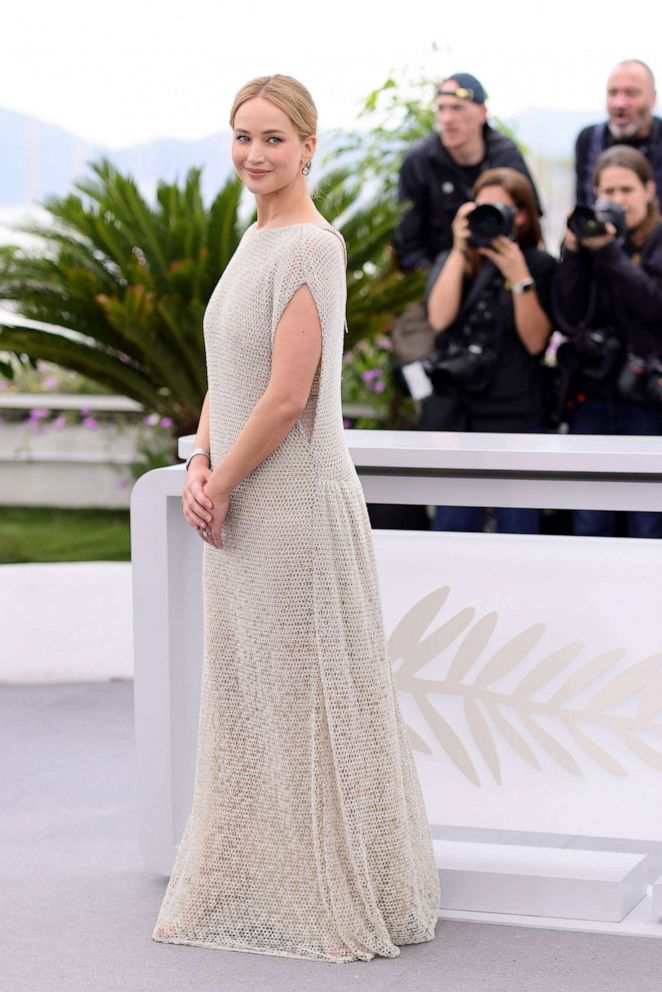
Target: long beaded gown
x,y
308,835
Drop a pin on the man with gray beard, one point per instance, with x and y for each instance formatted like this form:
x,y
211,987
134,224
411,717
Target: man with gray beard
x,y
631,99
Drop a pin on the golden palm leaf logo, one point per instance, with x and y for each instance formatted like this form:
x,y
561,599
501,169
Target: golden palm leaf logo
x,y
495,716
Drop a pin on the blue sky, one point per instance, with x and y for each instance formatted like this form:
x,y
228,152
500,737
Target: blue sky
x,y
122,72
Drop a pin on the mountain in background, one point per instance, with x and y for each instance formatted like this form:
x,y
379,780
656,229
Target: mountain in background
x,y
39,159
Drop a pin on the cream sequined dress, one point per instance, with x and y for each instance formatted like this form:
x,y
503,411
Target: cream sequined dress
x,y
308,835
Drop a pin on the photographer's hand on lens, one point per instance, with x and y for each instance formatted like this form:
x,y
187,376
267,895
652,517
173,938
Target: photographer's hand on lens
x,y
461,227
508,258
570,240
595,244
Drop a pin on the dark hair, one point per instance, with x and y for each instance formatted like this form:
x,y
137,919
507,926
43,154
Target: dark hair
x,y
520,190
629,158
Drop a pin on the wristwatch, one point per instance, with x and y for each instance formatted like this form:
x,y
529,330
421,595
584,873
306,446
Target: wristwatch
x,y
524,285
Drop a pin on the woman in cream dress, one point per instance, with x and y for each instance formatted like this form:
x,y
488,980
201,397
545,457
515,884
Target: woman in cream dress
x,y
308,835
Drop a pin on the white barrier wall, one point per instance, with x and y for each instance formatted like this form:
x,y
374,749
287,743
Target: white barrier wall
x,y
529,671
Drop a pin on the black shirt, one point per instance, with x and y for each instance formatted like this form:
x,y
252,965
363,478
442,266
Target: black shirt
x,y
513,401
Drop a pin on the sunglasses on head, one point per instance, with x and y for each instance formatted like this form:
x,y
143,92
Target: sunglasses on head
x,y
462,93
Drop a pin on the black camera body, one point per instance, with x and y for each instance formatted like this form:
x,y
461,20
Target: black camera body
x,y
593,351
468,357
641,380
489,221
590,222
466,354
465,357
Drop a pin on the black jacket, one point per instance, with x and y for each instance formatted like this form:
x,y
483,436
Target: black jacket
x,y
436,185
595,138
627,297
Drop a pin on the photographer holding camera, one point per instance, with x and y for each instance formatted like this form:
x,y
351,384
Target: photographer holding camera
x,y
489,299
608,298
438,173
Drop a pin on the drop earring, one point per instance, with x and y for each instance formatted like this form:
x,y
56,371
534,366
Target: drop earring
x,y
306,168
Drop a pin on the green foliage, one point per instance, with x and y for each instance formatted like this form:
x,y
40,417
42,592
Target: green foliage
x,y
125,284
376,290
45,377
393,117
155,447
367,383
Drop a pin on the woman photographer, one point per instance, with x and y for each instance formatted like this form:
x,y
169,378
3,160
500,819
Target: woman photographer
x,y
609,289
491,305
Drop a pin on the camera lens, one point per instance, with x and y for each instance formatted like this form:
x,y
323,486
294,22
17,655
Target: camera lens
x,y
489,220
584,223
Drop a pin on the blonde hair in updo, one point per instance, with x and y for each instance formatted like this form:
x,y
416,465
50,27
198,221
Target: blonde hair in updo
x,y
288,94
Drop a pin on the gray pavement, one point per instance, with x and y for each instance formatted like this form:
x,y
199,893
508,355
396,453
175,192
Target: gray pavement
x,y
78,905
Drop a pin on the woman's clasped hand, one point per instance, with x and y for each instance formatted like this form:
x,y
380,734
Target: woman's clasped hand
x,y
204,509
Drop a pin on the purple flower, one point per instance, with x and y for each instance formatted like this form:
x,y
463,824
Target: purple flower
x,y
59,421
152,419
50,383
91,424
378,387
38,413
346,423
371,374
85,411
166,422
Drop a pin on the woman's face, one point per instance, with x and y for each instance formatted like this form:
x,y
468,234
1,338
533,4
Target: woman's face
x,y
623,186
267,152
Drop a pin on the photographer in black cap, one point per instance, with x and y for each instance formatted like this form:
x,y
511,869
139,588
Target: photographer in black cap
x,y
438,174
608,299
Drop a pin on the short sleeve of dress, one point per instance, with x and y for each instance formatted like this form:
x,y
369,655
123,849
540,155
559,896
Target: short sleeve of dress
x,y
315,258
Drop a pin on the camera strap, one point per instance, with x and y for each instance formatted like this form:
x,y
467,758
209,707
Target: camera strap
x,y
485,275
571,330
